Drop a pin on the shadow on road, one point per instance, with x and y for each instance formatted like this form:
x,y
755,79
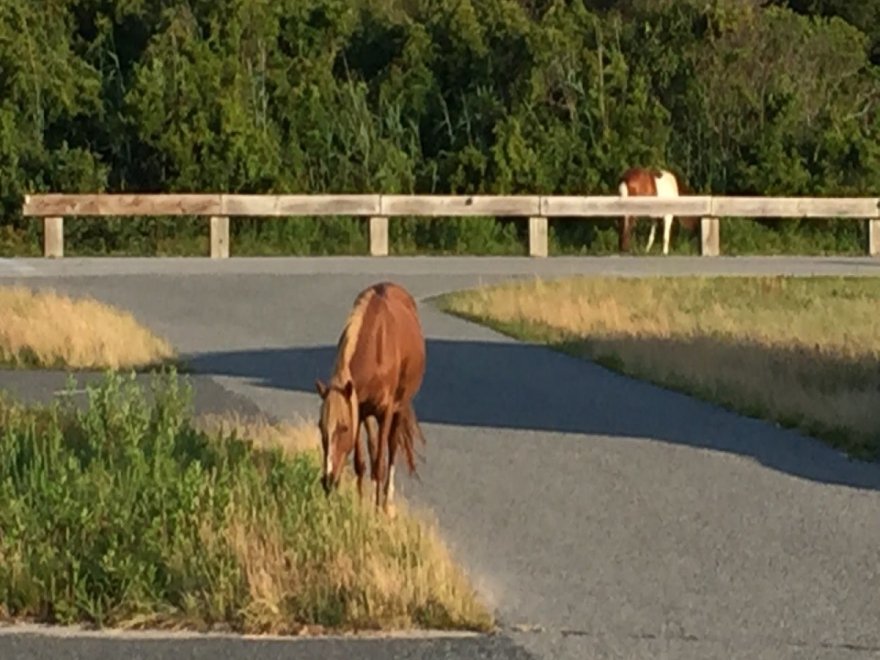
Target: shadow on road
x,y
508,385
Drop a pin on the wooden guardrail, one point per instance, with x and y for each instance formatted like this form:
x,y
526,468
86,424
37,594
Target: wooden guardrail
x,y
53,208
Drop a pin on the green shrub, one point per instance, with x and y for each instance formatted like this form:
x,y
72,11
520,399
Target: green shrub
x,y
122,513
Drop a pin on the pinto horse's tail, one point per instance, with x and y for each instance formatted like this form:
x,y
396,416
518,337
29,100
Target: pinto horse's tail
x,y
689,223
625,223
406,430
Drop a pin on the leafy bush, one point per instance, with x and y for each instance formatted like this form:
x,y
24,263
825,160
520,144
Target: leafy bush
x,y
123,513
448,96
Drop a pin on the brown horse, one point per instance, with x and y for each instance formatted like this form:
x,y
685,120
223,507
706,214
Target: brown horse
x,y
639,181
380,363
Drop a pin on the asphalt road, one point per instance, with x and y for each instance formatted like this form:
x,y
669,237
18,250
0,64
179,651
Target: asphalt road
x,y
602,517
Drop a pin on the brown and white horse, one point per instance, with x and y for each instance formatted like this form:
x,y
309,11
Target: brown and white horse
x,y
639,181
380,364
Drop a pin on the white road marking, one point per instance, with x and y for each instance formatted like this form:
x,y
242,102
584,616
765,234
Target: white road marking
x,y
69,392
76,631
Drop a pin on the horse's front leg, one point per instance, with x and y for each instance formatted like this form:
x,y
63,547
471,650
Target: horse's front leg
x,y
360,465
372,425
651,235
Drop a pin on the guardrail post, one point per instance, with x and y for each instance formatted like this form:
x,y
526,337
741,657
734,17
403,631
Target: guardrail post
x,y
379,236
710,243
874,237
220,237
53,237
537,236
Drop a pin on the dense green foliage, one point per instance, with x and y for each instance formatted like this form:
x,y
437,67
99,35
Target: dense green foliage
x,y
122,513
491,96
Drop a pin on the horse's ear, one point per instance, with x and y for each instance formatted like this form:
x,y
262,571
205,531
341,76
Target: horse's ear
x,y
348,389
321,388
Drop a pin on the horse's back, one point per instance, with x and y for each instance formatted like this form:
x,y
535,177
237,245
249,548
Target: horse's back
x,y
389,347
406,329
395,294
666,184
396,305
649,181
638,181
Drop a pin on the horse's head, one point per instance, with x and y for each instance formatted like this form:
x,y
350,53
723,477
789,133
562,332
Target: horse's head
x,y
338,423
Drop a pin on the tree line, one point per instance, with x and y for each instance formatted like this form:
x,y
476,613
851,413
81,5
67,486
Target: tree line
x,y
432,96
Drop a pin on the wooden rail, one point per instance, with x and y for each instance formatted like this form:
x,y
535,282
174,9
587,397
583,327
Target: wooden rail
x,y
53,208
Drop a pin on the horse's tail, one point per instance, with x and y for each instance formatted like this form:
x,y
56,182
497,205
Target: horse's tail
x,y
624,223
407,430
688,223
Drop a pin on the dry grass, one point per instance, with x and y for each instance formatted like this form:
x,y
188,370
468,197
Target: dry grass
x,y
397,572
47,329
803,352
262,432
399,567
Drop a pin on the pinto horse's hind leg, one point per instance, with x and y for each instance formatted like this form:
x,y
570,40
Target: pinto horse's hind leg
x,y
667,232
622,234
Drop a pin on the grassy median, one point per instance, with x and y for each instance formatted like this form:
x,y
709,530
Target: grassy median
x,y
128,512
50,330
802,352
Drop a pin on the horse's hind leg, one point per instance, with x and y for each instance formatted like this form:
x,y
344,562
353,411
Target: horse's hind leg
x,y
392,452
667,232
624,231
385,420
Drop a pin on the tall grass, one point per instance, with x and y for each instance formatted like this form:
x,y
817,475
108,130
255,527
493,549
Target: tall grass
x,y
49,329
127,512
802,352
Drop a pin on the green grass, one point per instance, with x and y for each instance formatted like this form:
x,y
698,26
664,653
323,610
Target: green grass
x,y
801,352
127,512
427,236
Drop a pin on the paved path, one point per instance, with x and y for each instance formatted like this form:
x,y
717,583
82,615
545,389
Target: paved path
x,y
601,516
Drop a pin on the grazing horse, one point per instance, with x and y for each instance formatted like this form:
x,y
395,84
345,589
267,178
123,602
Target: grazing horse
x,y
380,363
638,181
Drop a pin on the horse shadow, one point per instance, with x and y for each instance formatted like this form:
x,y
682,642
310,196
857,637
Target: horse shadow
x,y
507,385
